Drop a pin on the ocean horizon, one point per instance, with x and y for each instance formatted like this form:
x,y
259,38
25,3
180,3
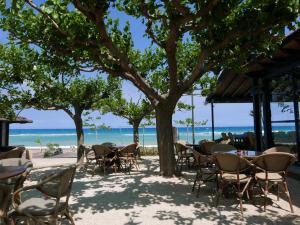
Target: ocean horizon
x,y
120,136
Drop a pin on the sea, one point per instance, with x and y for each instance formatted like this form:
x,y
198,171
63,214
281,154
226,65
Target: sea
x,y
120,136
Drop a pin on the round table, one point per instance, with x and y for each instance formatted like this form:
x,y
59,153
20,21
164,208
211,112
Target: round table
x,y
13,167
10,171
248,154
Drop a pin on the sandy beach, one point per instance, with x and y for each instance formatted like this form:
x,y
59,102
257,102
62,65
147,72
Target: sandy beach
x,y
144,197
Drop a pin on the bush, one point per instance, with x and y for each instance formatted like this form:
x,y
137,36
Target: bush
x,y
52,149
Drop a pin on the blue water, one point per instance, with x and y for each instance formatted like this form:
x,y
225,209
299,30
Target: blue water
x,y
120,136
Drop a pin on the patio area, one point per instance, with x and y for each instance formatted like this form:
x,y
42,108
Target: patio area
x,y
144,197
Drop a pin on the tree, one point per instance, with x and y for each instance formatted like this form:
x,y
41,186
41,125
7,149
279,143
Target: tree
x,y
91,122
15,67
188,39
188,123
52,84
39,142
74,96
134,112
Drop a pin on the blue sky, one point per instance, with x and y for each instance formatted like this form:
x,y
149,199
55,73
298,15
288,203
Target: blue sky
x,y
225,114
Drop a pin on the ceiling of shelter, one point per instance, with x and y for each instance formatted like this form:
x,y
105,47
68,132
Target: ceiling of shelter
x,y
237,87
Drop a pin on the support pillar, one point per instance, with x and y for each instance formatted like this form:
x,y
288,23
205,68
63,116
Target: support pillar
x,y
7,135
296,114
257,114
266,100
212,120
193,118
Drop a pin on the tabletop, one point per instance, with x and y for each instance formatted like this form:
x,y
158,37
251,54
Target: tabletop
x,y
12,167
249,154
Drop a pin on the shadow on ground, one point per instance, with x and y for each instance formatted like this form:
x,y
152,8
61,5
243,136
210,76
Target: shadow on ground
x,y
144,197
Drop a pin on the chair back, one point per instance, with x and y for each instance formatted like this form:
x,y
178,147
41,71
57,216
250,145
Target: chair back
x,y
222,148
109,144
180,148
231,163
201,160
277,149
58,185
129,149
14,153
101,151
251,140
224,136
274,162
207,146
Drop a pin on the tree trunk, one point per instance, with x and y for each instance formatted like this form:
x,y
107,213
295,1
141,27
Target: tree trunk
x,y
165,139
79,132
136,131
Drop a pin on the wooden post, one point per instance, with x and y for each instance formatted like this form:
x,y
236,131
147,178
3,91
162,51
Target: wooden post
x,y
193,118
268,136
296,114
212,120
257,114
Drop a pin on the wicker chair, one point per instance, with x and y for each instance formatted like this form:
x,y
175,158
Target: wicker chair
x,y
14,153
233,172
206,172
127,157
184,153
277,149
5,191
273,168
206,147
222,148
101,156
45,210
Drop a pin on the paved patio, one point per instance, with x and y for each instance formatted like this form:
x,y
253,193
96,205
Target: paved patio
x,y
144,197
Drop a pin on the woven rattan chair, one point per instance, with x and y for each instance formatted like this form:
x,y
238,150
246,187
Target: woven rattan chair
x,y
184,154
14,153
274,170
56,189
277,149
101,156
206,172
89,155
127,157
5,191
206,147
222,148
233,172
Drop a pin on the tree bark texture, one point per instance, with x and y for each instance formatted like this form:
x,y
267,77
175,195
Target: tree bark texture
x,y
165,139
136,132
79,133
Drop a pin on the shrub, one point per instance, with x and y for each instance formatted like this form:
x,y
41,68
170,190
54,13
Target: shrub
x,y
52,149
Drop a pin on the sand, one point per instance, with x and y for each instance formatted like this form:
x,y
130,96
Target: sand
x,y
144,197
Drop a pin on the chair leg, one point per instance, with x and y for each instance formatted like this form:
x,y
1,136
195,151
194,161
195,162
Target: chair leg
x,y
69,216
195,181
219,192
136,164
177,163
288,195
265,194
277,191
241,206
199,186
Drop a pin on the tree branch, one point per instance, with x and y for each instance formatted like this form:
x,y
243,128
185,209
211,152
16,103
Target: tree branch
x,y
128,68
49,17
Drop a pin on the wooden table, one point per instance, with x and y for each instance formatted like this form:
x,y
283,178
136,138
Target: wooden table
x,y
10,168
248,154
